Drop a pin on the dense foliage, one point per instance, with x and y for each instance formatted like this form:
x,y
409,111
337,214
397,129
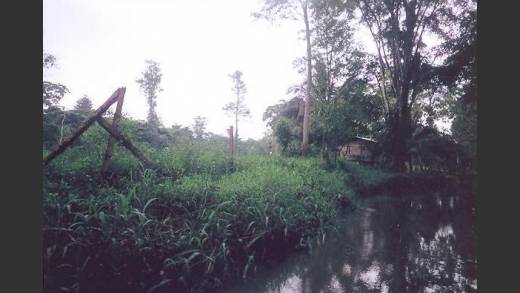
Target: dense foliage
x,y
193,226
408,86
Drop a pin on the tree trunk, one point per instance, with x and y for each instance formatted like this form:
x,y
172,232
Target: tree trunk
x,y
231,149
402,133
306,113
236,130
231,141
62,125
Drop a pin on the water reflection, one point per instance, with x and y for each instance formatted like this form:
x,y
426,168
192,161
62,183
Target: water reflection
x,y
422,243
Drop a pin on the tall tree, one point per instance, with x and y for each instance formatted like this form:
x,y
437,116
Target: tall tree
x,y
295,9
338,66
149,83
459,73
199,127
397,28
237,108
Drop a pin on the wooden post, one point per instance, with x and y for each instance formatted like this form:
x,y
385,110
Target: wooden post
x,y
115,121
231,149
69,140
124,140
231,142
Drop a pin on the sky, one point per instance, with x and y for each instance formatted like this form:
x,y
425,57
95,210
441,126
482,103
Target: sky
x,y
103,45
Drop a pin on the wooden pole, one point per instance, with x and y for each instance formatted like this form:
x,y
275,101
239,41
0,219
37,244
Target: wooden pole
x,y
231,142
124,140
115,121
231,149
68,141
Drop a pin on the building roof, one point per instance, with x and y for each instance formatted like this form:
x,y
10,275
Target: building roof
x,y
355,138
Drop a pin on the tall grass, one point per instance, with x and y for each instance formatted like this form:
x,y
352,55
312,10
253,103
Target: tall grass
x,y
187,232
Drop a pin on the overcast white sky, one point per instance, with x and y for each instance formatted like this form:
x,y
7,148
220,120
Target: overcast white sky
x,y
102,45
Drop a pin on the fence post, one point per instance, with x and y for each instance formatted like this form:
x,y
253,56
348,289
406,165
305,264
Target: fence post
x,y
115,121
124,140
69,140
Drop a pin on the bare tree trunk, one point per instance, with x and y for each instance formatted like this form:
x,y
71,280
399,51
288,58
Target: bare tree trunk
x,y
61,129
306,113
115,121
231,148
231,141
236,130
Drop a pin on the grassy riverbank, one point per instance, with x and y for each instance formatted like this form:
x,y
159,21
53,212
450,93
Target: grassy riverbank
x,y
192,227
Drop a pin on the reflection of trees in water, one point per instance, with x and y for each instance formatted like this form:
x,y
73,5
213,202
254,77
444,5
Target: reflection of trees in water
x,y
406,246
431,246
419,245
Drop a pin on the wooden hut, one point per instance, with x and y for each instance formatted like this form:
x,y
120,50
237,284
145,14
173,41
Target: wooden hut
x,y
358,149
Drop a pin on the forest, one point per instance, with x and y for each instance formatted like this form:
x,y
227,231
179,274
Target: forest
x,y
201,210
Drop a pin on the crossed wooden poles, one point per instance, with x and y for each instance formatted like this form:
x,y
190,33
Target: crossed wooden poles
x,y
112,129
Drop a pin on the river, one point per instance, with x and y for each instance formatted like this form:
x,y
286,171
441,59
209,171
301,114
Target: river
x,y
410,243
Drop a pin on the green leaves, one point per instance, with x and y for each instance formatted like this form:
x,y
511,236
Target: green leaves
x,y
198,227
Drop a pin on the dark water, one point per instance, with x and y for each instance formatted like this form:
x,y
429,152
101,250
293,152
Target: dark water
x,y
418,243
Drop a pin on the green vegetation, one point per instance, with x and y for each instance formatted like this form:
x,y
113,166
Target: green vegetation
x,y
201,216
190,228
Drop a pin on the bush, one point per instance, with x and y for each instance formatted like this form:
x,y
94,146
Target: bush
x,y
362,177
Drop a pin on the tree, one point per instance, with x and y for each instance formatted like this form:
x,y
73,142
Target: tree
x,y
293,9
397,28
52,92
199,127
149,83
338,65
459,73
283,133
84,105
292,112
49,61
238,108
53,114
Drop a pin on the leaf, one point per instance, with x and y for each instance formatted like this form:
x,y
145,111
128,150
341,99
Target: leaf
x,y
211,215
84,264
246,268
160,284
102,217
254,240
223,204
250,225
185,252
148,203
194,255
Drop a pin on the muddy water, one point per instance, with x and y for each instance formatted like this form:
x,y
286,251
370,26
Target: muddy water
x,y
417,243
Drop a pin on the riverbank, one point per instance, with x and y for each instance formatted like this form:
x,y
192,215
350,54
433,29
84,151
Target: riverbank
x,y
199,225
189,232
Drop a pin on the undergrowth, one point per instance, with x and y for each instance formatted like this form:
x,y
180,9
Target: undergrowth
x,y
191,230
